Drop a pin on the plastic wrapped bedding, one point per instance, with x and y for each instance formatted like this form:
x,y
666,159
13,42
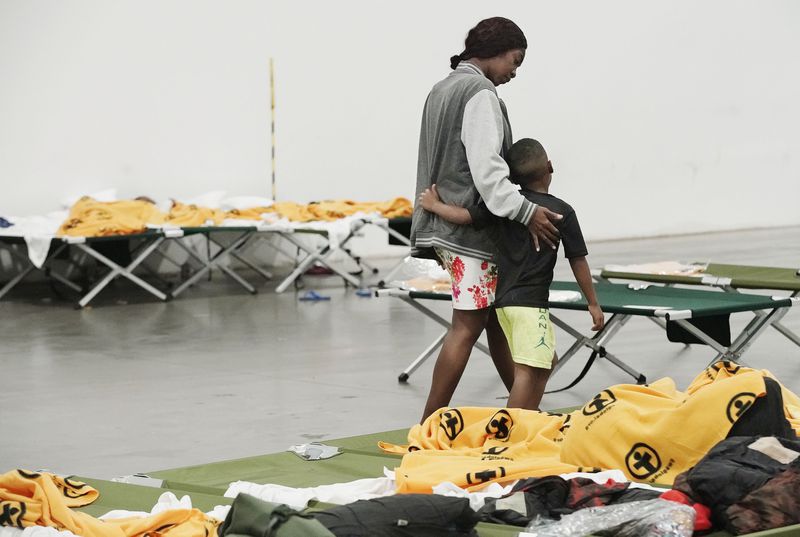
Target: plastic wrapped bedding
x,y
653,518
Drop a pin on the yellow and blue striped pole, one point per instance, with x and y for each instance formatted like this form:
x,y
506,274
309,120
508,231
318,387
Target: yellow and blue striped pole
x,y
272,116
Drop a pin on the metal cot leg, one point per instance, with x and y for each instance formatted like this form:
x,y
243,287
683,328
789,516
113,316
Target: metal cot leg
x,y
117,270
597,343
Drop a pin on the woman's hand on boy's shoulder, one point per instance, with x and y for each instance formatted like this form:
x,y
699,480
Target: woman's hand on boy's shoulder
x,y
542,227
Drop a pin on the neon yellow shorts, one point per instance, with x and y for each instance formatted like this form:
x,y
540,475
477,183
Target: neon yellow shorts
x,y
530,335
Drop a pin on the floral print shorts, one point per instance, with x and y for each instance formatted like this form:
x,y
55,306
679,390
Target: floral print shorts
x,y
473,280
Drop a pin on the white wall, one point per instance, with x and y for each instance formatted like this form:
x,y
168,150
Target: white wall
x,y
660,117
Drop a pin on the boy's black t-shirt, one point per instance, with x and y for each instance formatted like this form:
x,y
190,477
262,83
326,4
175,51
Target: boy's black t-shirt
x,y
524,275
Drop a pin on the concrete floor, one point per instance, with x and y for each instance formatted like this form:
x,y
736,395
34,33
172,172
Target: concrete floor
x,y
220,374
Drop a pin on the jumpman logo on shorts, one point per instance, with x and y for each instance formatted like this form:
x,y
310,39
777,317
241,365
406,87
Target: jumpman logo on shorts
x,y
542,343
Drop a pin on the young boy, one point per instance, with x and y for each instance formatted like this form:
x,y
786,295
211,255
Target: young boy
x,y
524,275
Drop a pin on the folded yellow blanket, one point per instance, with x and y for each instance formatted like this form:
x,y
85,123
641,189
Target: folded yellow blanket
x,y
43,499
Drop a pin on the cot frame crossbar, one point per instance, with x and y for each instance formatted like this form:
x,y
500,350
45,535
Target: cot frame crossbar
x,y
30,267
435,344
723,284
214,261
148,246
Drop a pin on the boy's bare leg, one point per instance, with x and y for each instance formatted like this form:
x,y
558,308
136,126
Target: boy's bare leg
x,y
529,385
466,327
499,350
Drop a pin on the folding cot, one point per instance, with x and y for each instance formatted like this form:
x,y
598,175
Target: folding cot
x,y
14,246
248,237
207,483
150,243
729,278
241,235
625,301
137,248
336,237
143,245
244,237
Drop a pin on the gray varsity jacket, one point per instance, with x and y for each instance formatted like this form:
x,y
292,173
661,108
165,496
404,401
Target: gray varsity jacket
x,y
464,136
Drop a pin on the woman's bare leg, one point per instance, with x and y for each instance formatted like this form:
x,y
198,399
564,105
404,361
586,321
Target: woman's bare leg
x,y
467,326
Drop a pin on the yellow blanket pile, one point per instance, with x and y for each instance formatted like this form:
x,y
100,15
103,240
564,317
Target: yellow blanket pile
x,y
91,218
43,499
334,210
652,433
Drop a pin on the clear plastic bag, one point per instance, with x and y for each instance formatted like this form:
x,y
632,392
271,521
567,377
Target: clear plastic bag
x,y
652,518
314,451
420,275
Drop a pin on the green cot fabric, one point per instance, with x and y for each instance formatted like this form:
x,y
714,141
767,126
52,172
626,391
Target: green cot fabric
x,y
742,277
139,498
206,483
750,277
655,278
361,458
149,234
368,443
195,230
621,298
279,468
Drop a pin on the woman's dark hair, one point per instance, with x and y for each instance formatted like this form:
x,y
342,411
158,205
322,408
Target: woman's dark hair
x,y
489,38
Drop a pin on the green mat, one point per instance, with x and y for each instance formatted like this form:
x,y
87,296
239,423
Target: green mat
x,y
138,498
361,458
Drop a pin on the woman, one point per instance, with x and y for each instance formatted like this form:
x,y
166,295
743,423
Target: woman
x,y
464,136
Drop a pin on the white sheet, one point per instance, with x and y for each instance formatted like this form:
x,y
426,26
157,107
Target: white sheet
x,y
38,232
298,498
670,268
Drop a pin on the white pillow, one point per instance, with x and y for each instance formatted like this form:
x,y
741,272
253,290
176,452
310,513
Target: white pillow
x,y
244,202
211,199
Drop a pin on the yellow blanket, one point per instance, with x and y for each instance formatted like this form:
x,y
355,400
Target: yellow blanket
x,y
43,499
191,215
652,433
334,210
91,218
251,213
